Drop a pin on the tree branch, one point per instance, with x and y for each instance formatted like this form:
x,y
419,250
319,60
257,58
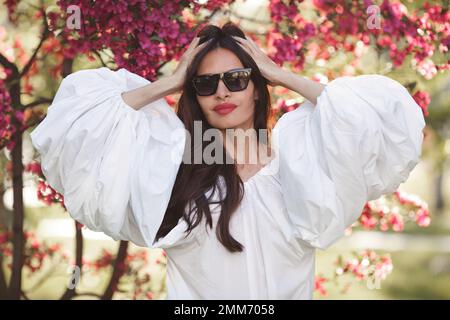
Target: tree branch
x,y
3,285
18,240
67,65
100,58
6,63
24,295
37,102
70,293
117,271
44,36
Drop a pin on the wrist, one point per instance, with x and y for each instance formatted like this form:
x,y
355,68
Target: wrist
x,y
283,78
165,85
173,83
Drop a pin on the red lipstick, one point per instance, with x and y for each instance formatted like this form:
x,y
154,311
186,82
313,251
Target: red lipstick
x,y
224,108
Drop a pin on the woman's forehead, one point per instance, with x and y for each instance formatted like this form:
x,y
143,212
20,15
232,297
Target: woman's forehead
x,y
217,61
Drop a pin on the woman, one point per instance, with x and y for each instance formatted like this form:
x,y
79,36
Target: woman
x,y
122,158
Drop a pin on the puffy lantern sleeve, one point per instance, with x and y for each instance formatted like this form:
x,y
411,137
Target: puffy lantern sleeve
x,y
114,165
360,141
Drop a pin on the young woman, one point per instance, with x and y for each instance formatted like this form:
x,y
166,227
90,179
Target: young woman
x,y
122,158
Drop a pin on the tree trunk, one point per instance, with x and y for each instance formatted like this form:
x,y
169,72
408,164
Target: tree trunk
x,y
5,224
17,227
70,293
118,269
439,199
3,286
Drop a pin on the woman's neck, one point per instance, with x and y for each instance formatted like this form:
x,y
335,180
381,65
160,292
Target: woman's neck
x,y
245,147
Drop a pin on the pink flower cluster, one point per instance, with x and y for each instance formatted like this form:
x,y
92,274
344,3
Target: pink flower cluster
x,y
36,252
12,6
418,208
378,214
366,265
425,30
210,5
283,106
141,34
5,109
7,129
132,270
280,10
319,285
45,192
288,47
423,99
48,195
342,24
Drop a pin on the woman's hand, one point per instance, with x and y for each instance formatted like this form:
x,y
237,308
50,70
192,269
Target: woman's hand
x,y
278,76
178,76
269,69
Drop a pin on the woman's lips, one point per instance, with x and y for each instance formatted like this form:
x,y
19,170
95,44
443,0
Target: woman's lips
x,y
224,108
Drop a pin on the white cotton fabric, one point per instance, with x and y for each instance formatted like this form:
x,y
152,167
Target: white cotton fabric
x,y
116,167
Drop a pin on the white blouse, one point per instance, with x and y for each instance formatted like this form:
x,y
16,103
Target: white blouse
x,y
116,167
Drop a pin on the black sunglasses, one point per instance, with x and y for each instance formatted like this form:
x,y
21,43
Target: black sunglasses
x,y
235,80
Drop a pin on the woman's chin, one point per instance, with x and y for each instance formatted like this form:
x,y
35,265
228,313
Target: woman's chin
x,y
225,124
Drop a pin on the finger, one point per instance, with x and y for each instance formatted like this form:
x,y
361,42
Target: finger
x,y
193,43
239,39
242,40
194,46
243,43
195,50
246,49
202,45
255,46
191,46
252,43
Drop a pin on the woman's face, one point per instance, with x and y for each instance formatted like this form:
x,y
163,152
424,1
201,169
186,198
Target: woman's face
x,y
222,60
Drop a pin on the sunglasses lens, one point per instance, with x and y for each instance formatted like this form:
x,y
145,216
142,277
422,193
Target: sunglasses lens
x,y
237,80
234,80
205,85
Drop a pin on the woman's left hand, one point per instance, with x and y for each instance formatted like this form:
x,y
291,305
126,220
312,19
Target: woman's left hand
x,y
268,68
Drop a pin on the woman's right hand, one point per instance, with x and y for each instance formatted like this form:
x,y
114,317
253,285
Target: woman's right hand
x,y
140,97
179,74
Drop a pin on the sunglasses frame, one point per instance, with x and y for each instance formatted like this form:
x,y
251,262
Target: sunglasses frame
x,y
221,77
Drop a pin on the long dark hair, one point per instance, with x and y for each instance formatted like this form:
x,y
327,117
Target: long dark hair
x,y
195,180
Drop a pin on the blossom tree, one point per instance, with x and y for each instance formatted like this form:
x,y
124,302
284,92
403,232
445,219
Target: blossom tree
x,y
143,36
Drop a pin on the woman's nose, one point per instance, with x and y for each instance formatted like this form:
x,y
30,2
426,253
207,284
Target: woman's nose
x,y
222,90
